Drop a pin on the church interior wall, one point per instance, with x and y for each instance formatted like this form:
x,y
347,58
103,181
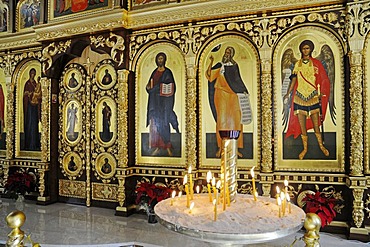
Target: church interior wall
x,y
97,142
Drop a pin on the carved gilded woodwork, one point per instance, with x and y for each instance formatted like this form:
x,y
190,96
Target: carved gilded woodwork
x,y
115,42
366,105
51,50
104,192
69,188
104,99
356,119
266,111
42,169
122,133
203,10
358,207
10,127
45,119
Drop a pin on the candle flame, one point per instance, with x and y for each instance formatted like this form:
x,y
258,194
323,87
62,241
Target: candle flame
x,y
286,182
287,197
213,181
252,171
279,201
277,190
191,205
173,193
180,193
214,201
282,195
197,188
209,176
185,179
189,170
218,185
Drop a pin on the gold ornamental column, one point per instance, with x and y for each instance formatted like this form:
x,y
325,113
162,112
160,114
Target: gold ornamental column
x,y
356,31
229,158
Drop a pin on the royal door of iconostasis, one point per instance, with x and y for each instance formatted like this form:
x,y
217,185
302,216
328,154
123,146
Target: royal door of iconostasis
x,y
90,94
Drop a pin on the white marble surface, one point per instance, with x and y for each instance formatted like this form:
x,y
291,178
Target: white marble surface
x,y
62,224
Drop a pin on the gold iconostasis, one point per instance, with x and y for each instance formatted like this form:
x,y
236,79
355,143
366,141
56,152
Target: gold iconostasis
x,y
139,92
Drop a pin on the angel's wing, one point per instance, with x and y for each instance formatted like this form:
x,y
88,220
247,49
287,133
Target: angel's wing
x,y
327,59
287,65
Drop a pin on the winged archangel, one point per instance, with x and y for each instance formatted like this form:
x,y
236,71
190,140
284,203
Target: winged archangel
x,y
307,91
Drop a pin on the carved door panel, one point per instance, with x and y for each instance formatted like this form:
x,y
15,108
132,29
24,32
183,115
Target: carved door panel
x,y
72,134
88,144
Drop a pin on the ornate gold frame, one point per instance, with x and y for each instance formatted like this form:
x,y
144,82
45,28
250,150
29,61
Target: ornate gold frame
x,y
19,16
247,58
99,163
100,74
78,125
67,76
5,91
20,77
145,64
79,167
319,36
98,120
51,17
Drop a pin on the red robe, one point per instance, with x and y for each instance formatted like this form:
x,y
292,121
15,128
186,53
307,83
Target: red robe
x,y
322,79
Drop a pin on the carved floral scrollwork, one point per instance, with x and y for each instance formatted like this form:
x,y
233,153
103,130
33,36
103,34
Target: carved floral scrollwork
x,y
358,214
356,120
51,50
116,42
358,19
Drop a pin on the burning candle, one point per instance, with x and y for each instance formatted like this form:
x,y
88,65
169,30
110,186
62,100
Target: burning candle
x,y
288,200
218,185
191,183
198,189
283,202
173,196
209,177
180,194
215,209
191,207
253,184
214,187
187,191
286,185
279,206
277,193
227,190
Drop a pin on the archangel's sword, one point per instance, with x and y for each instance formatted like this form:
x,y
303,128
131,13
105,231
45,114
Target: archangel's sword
x,y
321,118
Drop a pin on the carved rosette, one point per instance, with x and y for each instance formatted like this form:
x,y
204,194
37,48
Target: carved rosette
x,y
122,118
356,119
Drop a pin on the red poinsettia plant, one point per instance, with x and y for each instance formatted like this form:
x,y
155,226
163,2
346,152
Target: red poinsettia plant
x,y
322,205
151,193
19,183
